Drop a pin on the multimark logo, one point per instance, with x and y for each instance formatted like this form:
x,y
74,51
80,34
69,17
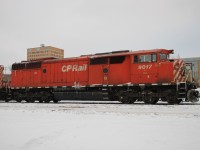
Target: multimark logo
x,y
67,68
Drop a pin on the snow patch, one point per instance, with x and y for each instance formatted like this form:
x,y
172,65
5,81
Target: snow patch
x,y
89,126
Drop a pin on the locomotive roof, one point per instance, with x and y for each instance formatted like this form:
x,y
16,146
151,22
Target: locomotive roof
x,y
98,55
112,54
153,51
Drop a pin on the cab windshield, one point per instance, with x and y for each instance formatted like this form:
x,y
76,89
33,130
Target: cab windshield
x,y
164,56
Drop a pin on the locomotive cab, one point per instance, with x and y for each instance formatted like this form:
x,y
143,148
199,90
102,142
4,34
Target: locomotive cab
x,y
151,67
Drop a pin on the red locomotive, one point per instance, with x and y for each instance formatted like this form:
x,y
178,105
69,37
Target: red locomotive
x,y
125,76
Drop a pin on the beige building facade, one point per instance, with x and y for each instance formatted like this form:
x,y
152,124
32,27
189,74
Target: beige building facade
x,y
194,63
44,52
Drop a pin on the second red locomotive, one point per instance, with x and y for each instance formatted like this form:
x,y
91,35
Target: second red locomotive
x,y
126,76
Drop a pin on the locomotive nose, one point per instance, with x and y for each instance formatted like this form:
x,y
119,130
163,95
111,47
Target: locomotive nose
x,y
179,70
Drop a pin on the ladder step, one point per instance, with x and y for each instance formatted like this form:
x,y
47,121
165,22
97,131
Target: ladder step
x,y
181,94
105,93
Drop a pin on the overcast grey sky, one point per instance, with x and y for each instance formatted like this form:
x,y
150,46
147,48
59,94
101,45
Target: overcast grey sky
x,y
91,26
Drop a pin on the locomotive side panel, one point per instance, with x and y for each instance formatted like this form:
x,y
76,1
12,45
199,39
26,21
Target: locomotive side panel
x,y
51,74
98,71
44,75
75,73
23,76
26,78
65,73
26,74
17,78
33,77
165,72
83,72
109,70
119,72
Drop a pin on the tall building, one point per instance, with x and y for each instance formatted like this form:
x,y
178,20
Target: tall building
x,y
44,52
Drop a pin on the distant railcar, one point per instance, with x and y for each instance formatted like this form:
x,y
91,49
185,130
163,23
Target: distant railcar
x,y
4,85
125,76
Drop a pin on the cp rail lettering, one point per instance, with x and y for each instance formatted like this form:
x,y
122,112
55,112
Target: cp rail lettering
x,y
66,68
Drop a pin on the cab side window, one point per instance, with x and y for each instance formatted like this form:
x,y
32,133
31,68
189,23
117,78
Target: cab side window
x,y
135,59
148,58
154,58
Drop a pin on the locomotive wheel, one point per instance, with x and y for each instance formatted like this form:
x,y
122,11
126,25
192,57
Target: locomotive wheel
x,y
120,96
33,101
192,95
45,98
147,99
30,100
150,100
49,98
133,100
164,99
171,99
178,101
154,100
46,101
130,100
122,99
55,101
125,99
18,99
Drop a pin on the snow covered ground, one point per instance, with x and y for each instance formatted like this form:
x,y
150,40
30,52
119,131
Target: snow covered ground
x,y
99,126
